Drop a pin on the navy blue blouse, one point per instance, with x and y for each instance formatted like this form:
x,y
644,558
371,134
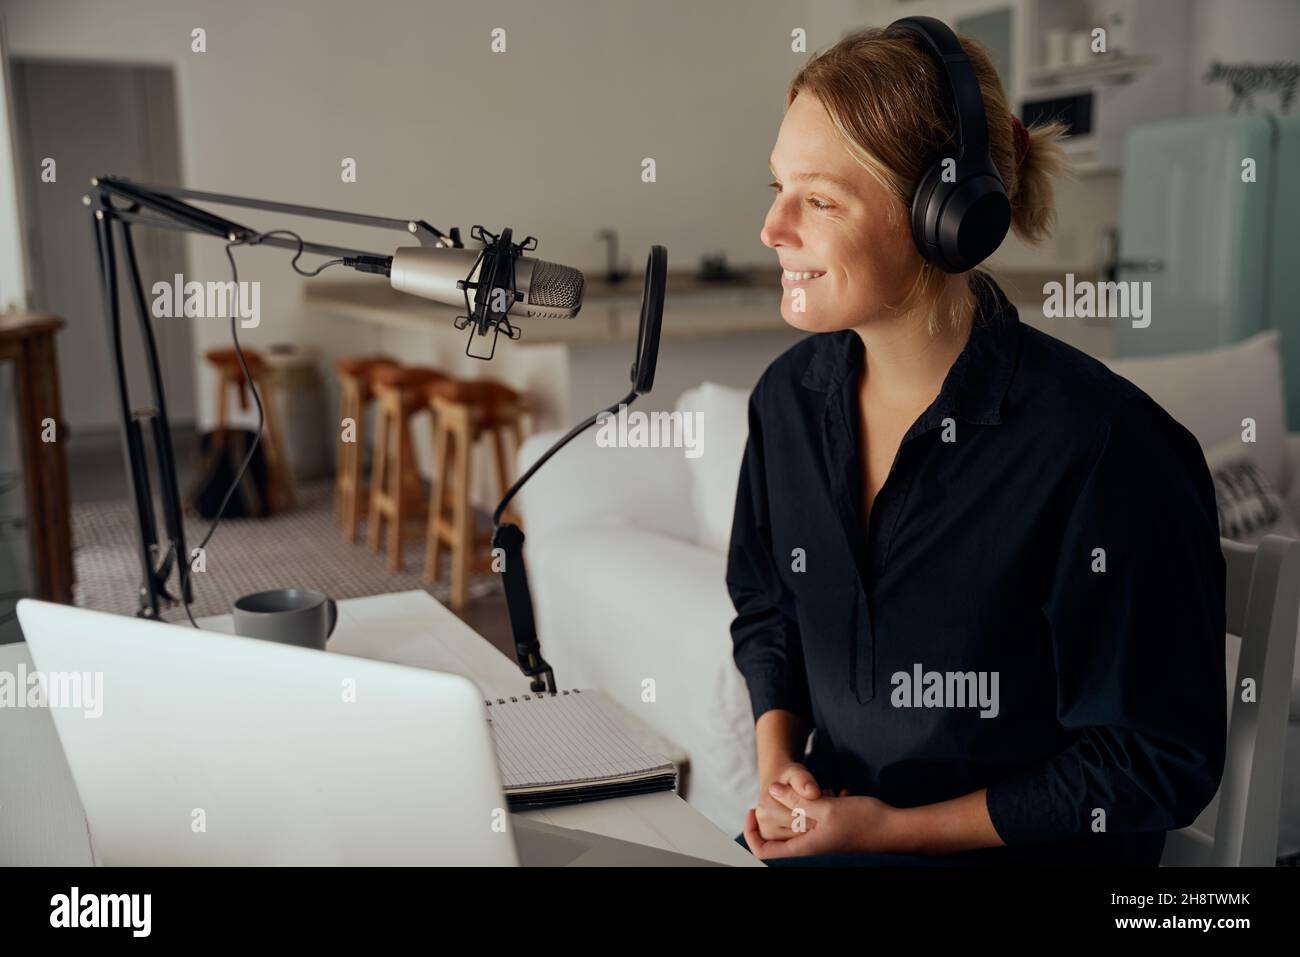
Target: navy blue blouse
x,y
1035,607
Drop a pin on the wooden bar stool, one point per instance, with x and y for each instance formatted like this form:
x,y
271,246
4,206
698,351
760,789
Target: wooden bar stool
x,y
396,492
463,412
279,482
356,391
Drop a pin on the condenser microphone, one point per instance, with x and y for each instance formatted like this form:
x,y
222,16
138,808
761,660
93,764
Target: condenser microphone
x,y
547,290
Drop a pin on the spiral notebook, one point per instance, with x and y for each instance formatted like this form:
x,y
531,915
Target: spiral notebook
x,y
569,747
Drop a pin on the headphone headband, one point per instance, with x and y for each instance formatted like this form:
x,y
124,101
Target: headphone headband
x,y
964,89
959,216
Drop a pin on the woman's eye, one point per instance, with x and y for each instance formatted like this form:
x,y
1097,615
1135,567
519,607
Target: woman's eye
x,y
816,203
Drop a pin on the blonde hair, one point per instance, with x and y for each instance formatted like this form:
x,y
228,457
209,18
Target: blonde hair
x,y
892,107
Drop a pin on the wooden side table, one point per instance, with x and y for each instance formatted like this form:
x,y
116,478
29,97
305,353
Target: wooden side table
x,y
27,340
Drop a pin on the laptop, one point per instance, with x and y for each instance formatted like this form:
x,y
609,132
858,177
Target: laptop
x,y
196,748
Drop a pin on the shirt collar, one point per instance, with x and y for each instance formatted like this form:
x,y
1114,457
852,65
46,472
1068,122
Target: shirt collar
x,y
976,384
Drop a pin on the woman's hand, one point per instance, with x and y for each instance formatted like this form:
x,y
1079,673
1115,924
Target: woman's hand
x,y
824,824
775,820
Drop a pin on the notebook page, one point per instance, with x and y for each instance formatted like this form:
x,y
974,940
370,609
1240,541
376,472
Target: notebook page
x,y
564,739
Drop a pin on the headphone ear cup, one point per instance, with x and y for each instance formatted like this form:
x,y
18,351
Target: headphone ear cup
x,y
927,202
974,220
958,225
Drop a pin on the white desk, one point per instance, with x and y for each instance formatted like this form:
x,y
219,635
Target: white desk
x,y
42,822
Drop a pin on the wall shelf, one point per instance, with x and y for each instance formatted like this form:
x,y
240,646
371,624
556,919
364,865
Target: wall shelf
x,y
1107,68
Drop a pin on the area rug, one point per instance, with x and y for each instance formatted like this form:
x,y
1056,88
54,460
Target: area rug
x,y
301,548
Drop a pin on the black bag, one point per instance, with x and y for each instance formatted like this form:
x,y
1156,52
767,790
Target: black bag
x,y
223,452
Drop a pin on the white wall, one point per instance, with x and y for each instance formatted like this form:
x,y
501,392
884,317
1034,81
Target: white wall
x,y
547,138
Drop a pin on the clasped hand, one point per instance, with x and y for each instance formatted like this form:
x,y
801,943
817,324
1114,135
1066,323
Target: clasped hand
x,y
795,818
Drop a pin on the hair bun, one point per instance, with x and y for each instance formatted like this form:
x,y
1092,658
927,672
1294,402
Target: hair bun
x,y
1022,140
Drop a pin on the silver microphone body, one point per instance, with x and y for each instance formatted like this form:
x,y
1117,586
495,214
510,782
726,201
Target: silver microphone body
x,y
550,291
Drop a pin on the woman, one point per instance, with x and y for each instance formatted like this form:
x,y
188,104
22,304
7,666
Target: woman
x,y
979,568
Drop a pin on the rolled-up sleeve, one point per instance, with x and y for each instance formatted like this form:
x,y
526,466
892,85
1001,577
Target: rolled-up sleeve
x,y
1137,619
766,639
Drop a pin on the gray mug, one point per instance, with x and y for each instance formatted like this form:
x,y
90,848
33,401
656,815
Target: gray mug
x,y
291,616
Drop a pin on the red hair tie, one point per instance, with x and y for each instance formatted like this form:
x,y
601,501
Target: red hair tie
x,y
1022,140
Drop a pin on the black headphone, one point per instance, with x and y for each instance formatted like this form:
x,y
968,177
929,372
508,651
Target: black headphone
x,y
957,224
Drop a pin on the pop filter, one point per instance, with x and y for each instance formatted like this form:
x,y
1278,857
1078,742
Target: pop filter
x,y
652,315
508,539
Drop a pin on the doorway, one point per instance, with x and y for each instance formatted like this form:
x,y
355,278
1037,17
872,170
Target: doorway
x,y
75,121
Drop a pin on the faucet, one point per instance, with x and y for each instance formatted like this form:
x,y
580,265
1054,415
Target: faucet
x,y
613,274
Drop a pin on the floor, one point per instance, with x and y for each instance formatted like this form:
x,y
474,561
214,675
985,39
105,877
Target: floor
x,y
96,475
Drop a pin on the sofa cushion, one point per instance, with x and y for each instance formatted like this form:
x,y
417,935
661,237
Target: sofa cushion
x,y
586,484
724,413
1211,391
1250,507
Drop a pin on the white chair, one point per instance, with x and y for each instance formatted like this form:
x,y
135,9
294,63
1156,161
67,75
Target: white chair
x,y
1239,828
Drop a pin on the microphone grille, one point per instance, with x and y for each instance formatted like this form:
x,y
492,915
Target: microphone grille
x,y
556,286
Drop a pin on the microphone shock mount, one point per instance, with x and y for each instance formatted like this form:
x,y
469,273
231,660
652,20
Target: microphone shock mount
x,y
495,289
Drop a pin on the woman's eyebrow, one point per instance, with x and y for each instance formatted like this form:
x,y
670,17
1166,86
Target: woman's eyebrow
x,y
839,181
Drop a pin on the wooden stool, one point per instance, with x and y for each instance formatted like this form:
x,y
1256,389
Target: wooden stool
x,y
396,493
279,483
356,390
462,413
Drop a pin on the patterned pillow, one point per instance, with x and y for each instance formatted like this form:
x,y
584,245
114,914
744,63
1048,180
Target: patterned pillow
x,y
1249,505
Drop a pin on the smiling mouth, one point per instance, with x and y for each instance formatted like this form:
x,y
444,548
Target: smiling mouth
x,y
789,278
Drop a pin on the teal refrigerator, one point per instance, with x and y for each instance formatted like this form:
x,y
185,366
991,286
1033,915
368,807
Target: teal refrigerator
x,y
1210,216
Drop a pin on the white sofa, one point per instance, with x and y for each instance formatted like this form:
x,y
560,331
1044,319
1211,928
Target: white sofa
x,y
626,551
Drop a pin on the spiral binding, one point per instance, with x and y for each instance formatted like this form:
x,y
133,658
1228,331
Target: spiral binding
x,y
530,697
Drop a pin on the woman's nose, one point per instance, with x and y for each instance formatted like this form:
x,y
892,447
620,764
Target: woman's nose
x,y
776,230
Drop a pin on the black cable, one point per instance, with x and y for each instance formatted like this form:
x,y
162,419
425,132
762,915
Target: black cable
x,y
182,564
294,263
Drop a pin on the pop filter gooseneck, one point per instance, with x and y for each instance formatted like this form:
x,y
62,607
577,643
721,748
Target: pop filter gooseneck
x,y
510,539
